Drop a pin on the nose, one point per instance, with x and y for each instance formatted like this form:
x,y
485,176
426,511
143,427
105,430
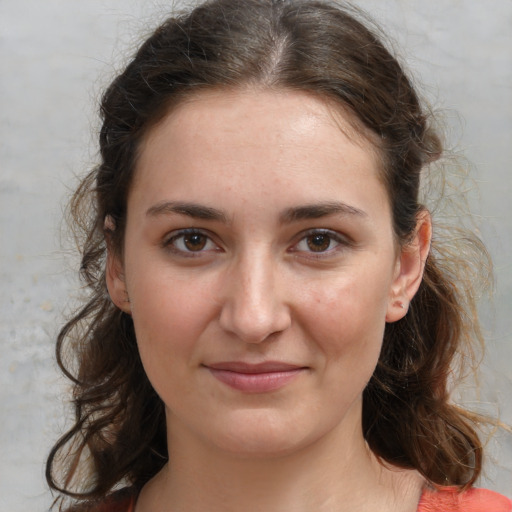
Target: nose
x,y
253,307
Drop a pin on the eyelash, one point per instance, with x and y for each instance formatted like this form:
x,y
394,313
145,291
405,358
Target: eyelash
x,y
331,236
340,242
170,242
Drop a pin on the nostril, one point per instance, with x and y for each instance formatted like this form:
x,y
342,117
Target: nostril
x,y
252,307
254,323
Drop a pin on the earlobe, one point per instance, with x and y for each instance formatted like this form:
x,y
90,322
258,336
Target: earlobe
x,y
410,268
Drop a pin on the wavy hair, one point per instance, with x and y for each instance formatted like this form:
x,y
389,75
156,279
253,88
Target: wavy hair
x,y
327,49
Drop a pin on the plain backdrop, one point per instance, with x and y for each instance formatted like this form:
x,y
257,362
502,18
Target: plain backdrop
x,y
57,55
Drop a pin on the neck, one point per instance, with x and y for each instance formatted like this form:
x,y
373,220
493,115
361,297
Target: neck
x,y
337,472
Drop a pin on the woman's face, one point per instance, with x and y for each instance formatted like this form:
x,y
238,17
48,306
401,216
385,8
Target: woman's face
x,y
260,267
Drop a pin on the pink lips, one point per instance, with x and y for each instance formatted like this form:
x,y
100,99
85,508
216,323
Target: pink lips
x,y
255,378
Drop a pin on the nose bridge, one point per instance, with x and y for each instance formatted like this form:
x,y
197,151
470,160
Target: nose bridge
x,y
254,307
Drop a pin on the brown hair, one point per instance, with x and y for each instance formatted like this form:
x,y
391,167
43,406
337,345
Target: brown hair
x,y
119,434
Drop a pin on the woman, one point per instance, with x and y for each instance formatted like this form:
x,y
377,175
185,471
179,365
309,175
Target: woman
x,y
268,327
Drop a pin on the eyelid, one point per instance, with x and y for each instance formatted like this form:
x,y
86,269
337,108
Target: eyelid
x,y
341,240
167,242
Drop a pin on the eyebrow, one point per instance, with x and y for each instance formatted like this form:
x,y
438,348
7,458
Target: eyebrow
x,y
316,211
288,216
194,210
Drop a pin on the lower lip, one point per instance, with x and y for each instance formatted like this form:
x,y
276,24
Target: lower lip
x,y
255,382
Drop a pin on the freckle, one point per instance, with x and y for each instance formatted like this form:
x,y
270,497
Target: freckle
x,y
19,257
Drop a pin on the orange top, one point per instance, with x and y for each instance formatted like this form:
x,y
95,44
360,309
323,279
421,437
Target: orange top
x,y
446,499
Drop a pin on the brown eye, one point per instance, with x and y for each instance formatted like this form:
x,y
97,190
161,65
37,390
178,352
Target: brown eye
x,y
318,242
190,242
195,241
321,243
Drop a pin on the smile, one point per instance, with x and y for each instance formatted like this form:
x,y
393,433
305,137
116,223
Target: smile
x,y
255,378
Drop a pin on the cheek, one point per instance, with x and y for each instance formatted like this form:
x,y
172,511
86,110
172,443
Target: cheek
x,y
169,315
347,319
164,300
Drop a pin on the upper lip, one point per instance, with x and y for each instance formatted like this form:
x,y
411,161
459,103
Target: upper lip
x,y
264,367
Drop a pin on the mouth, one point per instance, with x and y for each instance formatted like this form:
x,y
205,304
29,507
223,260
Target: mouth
x,y
255,378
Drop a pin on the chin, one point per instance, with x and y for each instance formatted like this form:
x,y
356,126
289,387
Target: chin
x,y
260,434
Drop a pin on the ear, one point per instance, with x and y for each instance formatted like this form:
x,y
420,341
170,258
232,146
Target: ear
x,y
114,273
409,268
116,284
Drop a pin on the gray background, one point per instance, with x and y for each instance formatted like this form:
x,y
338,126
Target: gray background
x,y
56,55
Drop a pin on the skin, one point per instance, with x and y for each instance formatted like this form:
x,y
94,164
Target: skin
x,y
289,257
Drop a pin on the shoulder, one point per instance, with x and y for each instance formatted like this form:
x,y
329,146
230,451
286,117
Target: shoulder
x,y
449,499
120,501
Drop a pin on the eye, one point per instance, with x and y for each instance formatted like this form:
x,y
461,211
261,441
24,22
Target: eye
x,y
320,241
190,241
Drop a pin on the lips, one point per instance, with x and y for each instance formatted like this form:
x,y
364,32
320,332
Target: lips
x,y
255,378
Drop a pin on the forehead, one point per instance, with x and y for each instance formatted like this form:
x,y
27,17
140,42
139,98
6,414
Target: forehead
x,y
302,108
265,137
